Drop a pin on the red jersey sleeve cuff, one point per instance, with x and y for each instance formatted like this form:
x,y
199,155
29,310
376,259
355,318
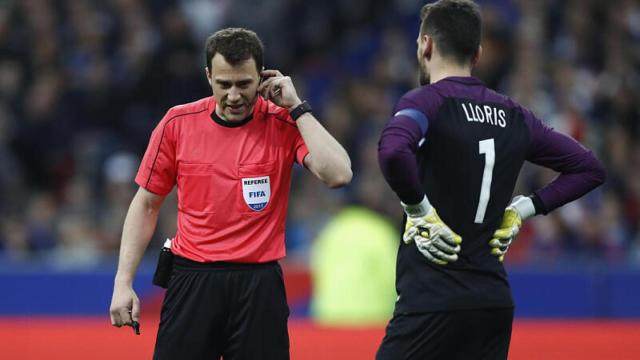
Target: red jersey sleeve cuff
x,y
152,187
301,153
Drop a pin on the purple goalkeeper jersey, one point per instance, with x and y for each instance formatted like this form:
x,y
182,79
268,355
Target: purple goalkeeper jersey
x,y
463,145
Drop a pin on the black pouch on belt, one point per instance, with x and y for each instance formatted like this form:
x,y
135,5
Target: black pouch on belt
x,y
165,266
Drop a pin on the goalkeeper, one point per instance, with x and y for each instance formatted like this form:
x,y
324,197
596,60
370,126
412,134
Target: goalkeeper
x,y
452,153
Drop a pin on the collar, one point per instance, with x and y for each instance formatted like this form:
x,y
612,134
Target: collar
x,y
469,80
229,124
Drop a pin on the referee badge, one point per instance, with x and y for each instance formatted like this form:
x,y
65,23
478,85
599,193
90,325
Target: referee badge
x,y
256,192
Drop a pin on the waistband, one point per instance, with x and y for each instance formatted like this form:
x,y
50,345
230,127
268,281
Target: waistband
x,y
185,264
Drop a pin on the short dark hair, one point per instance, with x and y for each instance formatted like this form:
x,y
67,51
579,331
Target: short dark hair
x,y
236,45
455,26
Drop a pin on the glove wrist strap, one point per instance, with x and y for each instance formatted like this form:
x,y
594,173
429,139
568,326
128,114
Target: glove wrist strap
x,y
523,205
417,210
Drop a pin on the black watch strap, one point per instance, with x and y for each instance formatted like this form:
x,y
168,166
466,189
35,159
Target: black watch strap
x,y
304,107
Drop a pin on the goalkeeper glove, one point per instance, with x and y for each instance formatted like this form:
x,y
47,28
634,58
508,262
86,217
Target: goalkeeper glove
x,y
520,209
433,238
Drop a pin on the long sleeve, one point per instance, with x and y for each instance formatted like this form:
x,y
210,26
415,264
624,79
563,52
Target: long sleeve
x,y
580,171
397,157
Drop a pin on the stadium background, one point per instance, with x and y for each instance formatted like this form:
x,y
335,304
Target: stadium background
x,y
83,83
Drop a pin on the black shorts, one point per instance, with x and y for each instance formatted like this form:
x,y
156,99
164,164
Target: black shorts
x,y
466,334
238,311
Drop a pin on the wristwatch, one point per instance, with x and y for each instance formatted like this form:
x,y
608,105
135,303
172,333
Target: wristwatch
x,y
304,107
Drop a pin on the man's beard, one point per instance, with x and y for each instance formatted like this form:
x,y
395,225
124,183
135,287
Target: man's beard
x,y
424,77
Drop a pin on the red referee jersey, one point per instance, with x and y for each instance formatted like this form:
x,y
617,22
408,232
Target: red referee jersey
x,y
233,181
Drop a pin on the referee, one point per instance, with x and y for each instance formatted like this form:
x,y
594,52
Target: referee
x,y
452,153
230,156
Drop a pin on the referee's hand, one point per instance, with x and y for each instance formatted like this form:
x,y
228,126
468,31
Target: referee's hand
x,y
279,89
125,306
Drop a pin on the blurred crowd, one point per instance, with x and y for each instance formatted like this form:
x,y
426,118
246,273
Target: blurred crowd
x,y
84,82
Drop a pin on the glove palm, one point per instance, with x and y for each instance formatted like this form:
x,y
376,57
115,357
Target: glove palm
x,y
433,238
520,209
508,230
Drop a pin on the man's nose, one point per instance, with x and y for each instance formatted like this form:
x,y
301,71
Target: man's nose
x,y
234,94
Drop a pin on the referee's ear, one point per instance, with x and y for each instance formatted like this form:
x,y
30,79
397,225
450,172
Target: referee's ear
x,y
206,71
261,77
